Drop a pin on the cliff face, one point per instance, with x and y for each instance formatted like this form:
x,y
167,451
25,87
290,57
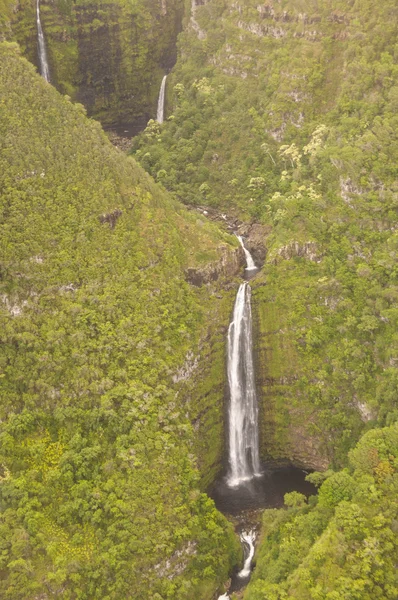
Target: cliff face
x,y
110,56
288,421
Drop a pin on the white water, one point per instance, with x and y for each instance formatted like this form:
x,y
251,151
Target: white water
x,y
247,540
160,113
250,264
244,461
43,62
243,451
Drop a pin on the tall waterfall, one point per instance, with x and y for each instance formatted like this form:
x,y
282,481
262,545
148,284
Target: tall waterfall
x,y
43,62
160,113
244,460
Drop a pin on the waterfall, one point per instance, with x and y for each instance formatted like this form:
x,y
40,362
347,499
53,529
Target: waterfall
x,y
43,62
250,264
247,540
243,450
160,113
244,461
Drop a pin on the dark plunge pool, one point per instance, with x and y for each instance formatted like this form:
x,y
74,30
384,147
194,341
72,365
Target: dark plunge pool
x,y
244,503
265,491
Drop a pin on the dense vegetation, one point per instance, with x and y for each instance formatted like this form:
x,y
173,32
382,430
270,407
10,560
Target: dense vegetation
x,y
344,545
111,56
100,493
284,114
288,114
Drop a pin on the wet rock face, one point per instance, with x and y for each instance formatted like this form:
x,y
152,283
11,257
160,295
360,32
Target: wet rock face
x,y
286,429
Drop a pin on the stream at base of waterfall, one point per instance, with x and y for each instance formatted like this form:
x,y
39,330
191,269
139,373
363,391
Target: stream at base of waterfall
x,y
247,487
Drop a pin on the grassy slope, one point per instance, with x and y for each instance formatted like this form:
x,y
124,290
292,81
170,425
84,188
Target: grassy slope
x,y
100,490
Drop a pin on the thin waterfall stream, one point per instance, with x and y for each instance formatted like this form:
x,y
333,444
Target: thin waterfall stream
x,y
250,264
161,101
41,45
247,486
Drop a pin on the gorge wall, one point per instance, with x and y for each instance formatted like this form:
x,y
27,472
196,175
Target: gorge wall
x,y
109,56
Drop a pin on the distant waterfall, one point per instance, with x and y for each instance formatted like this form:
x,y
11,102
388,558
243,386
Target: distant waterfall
x,y
244,460
43,62
160,113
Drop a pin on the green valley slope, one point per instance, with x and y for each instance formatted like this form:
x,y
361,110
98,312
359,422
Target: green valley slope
x,y
343,544
286,114
100,494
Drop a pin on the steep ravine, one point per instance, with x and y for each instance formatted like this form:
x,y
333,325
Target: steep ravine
x,y
247,485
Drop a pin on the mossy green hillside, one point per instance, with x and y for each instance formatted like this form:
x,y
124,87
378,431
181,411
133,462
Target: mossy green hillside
x,y
100,492
6,7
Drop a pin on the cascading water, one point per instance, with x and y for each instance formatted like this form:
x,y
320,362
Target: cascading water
x,y
43,62
250,264
247,540
244,460
160,113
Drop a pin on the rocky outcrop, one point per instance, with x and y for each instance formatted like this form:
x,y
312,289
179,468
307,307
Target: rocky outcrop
x,y
111,218
254,234
202,35
177,563
228,266
307,250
